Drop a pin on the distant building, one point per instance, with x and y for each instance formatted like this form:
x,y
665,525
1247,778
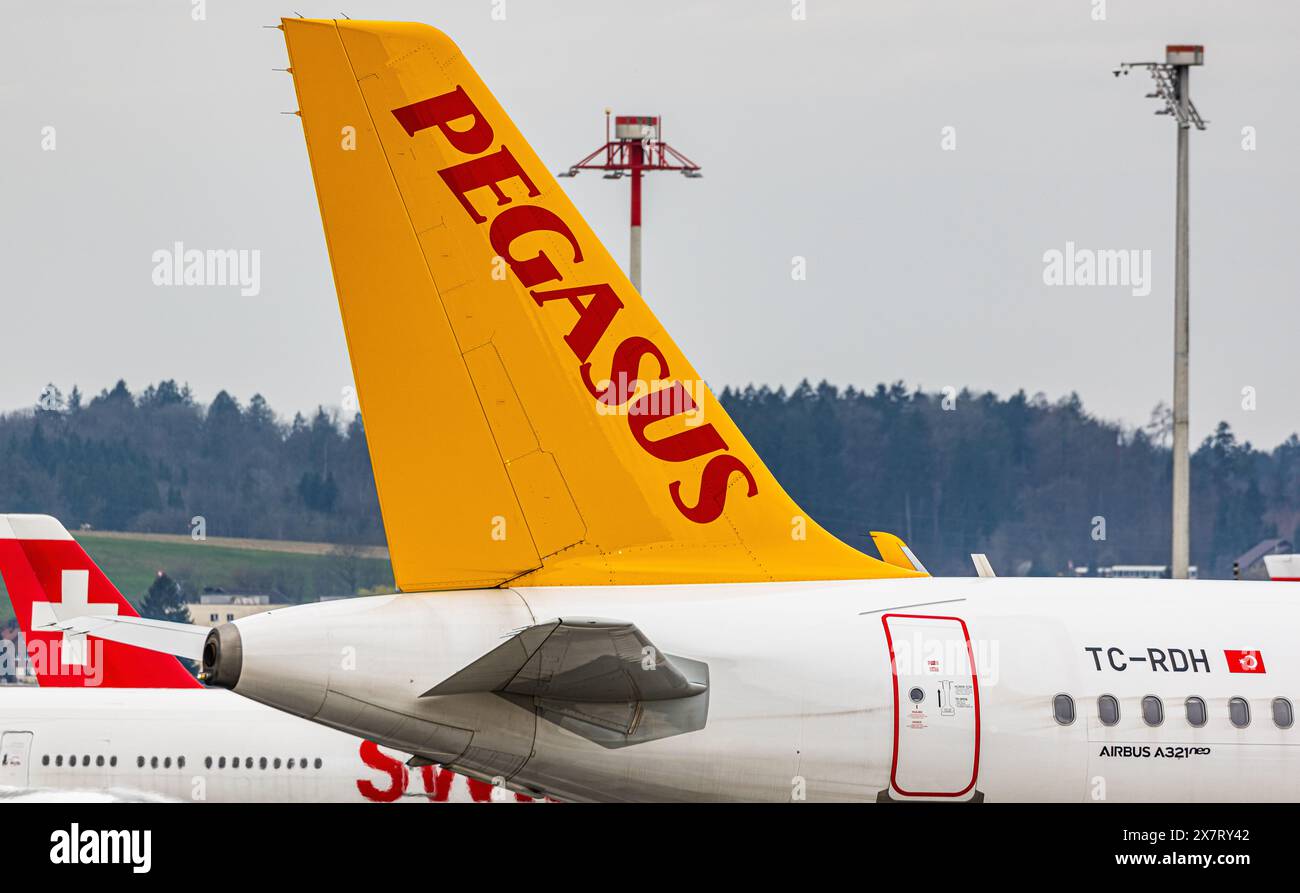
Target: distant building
x,y
15,667
1141,571
214,609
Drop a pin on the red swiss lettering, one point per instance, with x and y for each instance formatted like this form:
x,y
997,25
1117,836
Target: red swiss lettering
x,y
437,782
373,757
479,791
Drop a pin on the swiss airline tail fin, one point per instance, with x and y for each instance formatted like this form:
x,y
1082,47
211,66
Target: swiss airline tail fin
x,y
49,577
529,419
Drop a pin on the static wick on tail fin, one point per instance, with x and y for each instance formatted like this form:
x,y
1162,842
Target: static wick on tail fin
x,y
61,600
529,419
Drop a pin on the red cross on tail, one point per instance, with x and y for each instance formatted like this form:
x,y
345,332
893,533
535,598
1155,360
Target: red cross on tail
x,y
50,578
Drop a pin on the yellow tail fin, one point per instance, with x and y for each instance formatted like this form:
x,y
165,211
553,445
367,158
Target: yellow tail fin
x,y
528,418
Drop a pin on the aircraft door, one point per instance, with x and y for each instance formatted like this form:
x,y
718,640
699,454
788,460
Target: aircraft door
x,y
936,708
15,749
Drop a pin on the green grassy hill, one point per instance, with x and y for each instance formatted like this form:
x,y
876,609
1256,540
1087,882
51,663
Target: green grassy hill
x,y
300,573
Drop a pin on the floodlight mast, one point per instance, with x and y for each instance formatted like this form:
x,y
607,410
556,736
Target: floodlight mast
x,y
1173,85
636,148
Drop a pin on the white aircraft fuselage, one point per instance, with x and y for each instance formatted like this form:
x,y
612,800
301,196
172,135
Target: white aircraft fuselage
x,y
929,689
194,745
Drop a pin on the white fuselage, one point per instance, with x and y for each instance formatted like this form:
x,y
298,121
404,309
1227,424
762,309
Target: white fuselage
x,y
195,745
802,696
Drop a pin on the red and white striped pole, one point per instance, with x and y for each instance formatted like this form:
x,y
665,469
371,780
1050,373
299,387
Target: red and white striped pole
x,y
634,260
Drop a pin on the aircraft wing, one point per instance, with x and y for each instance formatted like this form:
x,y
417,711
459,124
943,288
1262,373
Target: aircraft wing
x,y
180,639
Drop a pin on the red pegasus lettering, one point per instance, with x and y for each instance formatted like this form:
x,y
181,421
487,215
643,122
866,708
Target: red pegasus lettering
x,y
489,171
518,221
623,370
594,317
682,446
473,137
440,112
713,489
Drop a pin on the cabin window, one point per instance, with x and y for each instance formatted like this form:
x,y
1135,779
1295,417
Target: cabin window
x,y
1283,715
58,761
1108,710
153,762
139,762
1196,712
1153,712
261,764
1063,709
167,763
45,760
276,764
248,762
112,761
318,762
1239,712
180,762
221,763
99,760
207,762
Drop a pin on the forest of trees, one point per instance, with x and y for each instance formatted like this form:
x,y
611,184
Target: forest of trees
x,y
1033,484
154,461
1038,485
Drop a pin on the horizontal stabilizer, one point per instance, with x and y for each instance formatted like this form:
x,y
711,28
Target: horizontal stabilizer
x,y
602,680
581,659
180,639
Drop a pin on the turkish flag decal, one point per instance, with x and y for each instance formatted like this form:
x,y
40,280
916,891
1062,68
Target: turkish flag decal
x,y
1245,661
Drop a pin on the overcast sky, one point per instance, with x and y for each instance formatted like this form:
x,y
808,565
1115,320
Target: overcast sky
x,y
819,138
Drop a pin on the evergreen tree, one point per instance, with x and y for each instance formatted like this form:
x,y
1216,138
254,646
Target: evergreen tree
x,y
164,601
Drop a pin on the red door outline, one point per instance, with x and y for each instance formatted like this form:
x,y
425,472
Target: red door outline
x,y
893,673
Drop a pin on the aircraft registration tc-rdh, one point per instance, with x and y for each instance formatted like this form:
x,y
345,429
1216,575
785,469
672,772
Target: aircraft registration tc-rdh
x,y
606,595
